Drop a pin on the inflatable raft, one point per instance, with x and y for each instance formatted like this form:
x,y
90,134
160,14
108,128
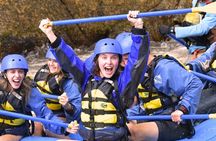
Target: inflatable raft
x,y
206,131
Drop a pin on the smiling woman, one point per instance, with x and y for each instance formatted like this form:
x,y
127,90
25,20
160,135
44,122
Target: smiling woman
x,y
18,94
102,113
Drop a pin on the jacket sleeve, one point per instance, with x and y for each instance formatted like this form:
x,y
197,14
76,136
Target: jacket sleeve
x,y
172,79
38,106
136,66
69,61
73,93
199,29
203,61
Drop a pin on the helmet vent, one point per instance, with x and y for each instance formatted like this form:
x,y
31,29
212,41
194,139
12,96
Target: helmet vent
x,y
113,44
105,44
13,59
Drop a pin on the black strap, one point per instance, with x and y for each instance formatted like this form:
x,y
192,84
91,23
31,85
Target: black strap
x,y
97,112
94,125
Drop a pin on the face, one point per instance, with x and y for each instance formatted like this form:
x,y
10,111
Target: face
x,y
108,64
15,77
53,66
124,60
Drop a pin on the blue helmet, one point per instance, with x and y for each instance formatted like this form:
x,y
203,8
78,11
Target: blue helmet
x,y
107,45
50,54
14,61
125,41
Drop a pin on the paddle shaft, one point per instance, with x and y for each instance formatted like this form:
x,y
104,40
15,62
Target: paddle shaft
x,y
121,17
210,8
26,117
49,96
178,40
154,117
203,76
168,117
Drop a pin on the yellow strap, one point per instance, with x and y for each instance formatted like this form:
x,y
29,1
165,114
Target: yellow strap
x,y
153,104
53,106
14,122
106,118
106,106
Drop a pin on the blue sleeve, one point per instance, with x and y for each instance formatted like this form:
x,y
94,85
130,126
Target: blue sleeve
x,y
70,62
134,70
72,91
203,60
38,106
170,78
137,61
89,62
197,30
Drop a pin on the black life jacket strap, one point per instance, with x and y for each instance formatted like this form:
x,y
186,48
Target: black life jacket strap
x,y
94,125
97,112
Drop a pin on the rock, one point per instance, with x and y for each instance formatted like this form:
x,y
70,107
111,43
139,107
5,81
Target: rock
x,y
19,21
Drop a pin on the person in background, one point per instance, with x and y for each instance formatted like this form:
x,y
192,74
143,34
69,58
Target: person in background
x,y
163,93
162,98
102,116
52,80
125,40
206,64
18,94
198,30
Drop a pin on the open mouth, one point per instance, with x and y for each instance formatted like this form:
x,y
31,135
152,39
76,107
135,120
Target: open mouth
x,y
16,82
108,69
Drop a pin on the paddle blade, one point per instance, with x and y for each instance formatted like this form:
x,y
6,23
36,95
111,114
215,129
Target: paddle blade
x,y
210,8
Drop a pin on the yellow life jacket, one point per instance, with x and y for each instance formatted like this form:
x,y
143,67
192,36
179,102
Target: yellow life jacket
x,y
49,84
213,65
98,110
11,102
152,99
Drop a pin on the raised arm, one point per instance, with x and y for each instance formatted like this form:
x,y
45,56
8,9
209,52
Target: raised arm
x,y
137,61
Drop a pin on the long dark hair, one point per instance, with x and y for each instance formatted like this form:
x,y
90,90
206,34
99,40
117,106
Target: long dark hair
x,y
24,90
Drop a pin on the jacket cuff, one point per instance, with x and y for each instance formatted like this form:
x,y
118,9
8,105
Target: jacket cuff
x,y
183,109
138,31
69,108
56,43
189,66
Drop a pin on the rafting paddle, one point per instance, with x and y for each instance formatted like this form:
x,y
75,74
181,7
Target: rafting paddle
x,y
26,117
168,117
210,8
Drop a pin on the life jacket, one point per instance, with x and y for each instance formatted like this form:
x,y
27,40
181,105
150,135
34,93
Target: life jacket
x,y
212,62
50,84
204,40
98,106
10,101
152,99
